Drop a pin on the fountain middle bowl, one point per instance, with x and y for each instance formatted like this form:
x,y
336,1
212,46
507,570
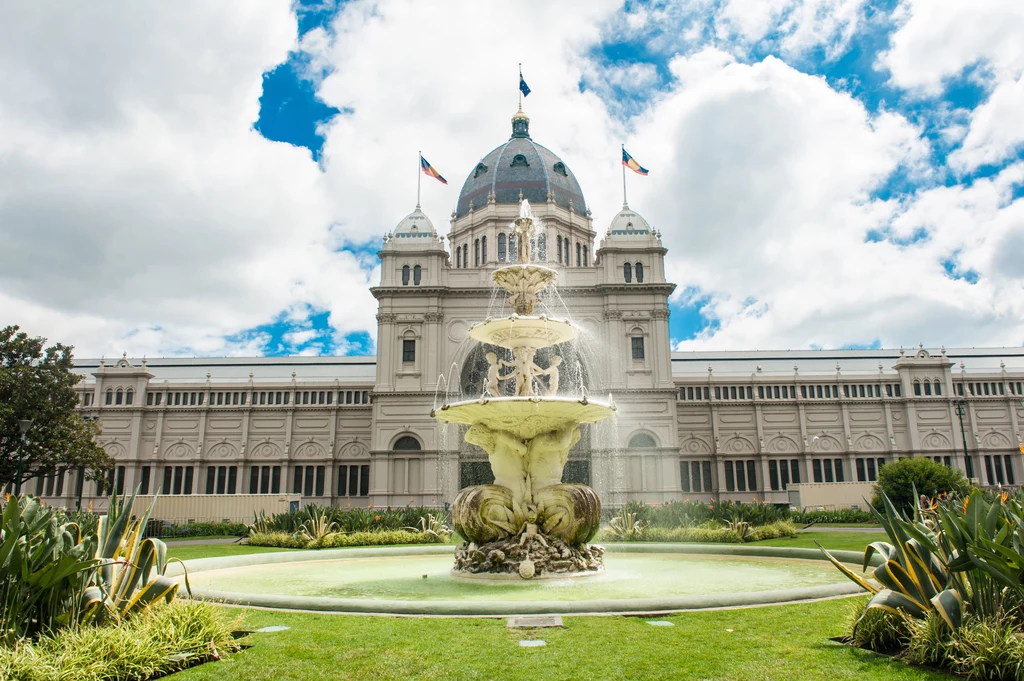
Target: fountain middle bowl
x,y
525,417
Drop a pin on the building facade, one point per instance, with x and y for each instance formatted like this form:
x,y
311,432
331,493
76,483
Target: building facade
x,y
707,425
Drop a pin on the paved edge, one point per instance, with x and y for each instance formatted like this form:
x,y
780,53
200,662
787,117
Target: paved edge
x,y
504,609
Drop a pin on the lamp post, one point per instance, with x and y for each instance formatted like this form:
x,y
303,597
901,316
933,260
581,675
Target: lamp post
x,y
967,457
23,425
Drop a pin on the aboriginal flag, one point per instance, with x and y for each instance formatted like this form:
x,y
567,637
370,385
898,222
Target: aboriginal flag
x,y
631,163
429,170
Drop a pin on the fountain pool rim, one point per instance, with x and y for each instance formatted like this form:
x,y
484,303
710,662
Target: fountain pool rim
x,y
499,608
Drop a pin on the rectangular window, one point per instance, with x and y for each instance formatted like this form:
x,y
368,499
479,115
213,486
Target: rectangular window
x,y
695,476
1009,470
211,479
684,475
297,481
752,476
827,465
989,470
364,481
265,479
706,472
795,471
275,480
321,473
342,481
872,475
718,393
816,463
254,480
188,479
307,487
222,479
784,473
803,391
785,392
353,481
232,479
408,350
144,481
330,396
760,391
730,479
861,472
741,477
732,392
839,471
638,347
773,474
775,390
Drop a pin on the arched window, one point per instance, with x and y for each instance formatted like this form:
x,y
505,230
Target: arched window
x,y
405,275
417,272
483,249
938,388
640,272
578,260
927,388
129,396
118,397
458,257
559,242
407,443
586,261
642,441
627,272
110,397
501,247
476,252
465,255
917,387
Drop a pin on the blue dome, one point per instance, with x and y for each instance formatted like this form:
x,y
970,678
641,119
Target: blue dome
x,y
520,165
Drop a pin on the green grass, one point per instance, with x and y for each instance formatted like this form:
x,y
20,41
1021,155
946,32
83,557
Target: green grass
x,y
773,643
215,550
777,643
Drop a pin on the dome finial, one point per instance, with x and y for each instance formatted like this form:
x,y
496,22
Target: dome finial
x,y
521,124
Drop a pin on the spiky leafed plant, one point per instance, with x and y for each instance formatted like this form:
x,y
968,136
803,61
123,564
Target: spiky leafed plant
x,y
626,525
131,569
432,525
45,563
318,527
915,577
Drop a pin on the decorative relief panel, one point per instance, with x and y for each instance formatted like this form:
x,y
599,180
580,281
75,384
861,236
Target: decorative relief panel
x,y
181,424
995,440
116,424
693,419
353,450
310,450
150,424
311,422
935,441
115,450
266,450
695,446
224,424
737,445
179,450
869,443
782,444
223,450
991,413
457,331
825,443
266,423
822,416
779,416
736,418
933,415
865,416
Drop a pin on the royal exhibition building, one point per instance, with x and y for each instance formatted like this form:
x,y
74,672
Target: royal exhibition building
x,y
360,431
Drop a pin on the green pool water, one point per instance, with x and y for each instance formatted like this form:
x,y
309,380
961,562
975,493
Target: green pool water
x,y
626,576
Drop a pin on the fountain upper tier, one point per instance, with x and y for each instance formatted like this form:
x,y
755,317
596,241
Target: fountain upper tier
x,y
525,417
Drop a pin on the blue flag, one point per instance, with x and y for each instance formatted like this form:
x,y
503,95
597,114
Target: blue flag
x,y
523,87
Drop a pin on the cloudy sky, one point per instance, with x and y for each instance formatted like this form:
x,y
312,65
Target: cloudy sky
x,y
214,178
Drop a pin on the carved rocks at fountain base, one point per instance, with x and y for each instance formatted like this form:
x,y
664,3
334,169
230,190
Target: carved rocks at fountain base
x,y
533,558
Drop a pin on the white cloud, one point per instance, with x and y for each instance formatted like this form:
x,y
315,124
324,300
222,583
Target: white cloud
x,y
138,208
996,129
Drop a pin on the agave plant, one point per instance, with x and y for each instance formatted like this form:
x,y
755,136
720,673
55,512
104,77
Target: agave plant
x,y
131,570
44,567
916,577
626,525
318,527
432,525
740,527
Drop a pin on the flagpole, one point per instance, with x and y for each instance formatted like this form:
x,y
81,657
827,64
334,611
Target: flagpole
x,y
624,203
519,86
419,176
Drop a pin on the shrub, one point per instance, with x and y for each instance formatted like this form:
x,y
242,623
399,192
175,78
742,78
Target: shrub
x,y
899,479
986,649
839,515
159,640
880,630
346,519
168,530
337,540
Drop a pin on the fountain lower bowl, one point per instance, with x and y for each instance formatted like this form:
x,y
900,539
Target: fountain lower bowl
x,y
525,417
639,578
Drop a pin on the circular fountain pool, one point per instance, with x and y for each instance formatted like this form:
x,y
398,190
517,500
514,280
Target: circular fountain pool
x,y
417,581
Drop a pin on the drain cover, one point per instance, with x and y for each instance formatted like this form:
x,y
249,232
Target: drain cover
x,y
532,644
534,622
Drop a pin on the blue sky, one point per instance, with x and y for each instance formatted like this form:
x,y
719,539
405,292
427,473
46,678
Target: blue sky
x,y
825,173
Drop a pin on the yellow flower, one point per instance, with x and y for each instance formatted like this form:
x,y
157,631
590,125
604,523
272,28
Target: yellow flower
x,y
1003,497
966,499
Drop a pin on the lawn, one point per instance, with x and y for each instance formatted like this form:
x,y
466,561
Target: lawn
x,y
779,642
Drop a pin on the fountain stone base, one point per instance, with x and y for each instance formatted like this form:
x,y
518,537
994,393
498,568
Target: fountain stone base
x,y
531,559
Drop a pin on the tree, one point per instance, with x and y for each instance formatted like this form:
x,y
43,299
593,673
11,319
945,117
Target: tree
x,y
37,383
899,479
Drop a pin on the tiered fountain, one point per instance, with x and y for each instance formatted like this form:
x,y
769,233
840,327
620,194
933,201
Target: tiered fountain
x,y
528,523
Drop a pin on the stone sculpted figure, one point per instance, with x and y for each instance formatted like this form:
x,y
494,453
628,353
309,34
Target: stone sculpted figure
x,y
552,373
524,231
526,371
494,365
529,529
507,455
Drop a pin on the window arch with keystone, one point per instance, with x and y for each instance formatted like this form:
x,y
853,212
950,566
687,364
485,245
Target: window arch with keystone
x,y
638,344
406,443
642,440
